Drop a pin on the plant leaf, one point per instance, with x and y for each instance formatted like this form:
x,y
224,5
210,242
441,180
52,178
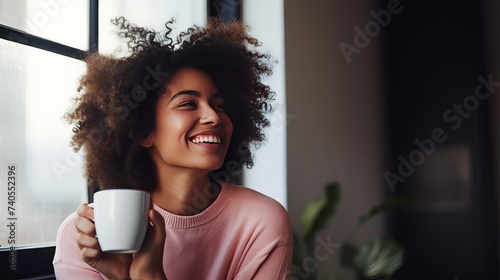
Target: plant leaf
x,y
316,214
309,214
379,258
388,205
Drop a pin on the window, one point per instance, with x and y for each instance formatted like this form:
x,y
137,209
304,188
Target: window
x,y
37,88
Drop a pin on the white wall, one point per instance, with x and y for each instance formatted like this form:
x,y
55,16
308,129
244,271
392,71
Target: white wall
x,y
337,132
268,176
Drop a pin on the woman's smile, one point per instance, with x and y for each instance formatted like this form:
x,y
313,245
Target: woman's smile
x,y
211,140
214,139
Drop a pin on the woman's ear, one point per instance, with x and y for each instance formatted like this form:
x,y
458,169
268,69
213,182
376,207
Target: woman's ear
x,y
147,142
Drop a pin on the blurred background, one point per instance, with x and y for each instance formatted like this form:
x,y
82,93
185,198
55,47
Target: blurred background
x,y
370,83
385,97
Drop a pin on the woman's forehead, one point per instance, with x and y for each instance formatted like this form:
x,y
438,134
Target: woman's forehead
x,y
190,78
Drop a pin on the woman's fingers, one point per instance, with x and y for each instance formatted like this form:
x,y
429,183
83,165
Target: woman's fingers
x,y
85,226
90,255
83,221
85,241
85,211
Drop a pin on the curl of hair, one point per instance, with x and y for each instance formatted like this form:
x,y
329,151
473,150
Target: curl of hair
x,y
116,105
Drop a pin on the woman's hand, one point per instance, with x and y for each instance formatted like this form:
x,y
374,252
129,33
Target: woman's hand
x,y
145,264
113,266
148,262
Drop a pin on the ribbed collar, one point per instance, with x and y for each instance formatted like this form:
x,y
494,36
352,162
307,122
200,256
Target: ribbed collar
x,y
212,211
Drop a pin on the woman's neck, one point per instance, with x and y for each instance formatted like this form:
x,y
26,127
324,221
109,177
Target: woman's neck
x,y
185,193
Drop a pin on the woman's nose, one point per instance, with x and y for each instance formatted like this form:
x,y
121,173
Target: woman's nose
x,y
210,116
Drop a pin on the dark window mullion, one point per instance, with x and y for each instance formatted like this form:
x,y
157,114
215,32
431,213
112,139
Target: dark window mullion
x,y
21,37
227,10
94,25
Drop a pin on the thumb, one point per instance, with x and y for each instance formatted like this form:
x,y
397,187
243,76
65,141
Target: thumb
x,y
156,231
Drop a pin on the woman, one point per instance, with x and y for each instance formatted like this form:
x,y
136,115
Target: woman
x,y
175,118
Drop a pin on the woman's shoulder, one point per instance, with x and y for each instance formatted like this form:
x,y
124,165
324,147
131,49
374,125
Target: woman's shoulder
x,y
247,197
260,212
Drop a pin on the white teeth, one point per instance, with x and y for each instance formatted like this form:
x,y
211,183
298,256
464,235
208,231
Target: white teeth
x,y
206,139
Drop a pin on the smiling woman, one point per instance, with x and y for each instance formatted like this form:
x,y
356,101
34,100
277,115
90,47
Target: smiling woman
x,y
170,138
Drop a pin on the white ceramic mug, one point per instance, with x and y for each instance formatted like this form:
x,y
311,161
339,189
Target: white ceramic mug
x,y
121,219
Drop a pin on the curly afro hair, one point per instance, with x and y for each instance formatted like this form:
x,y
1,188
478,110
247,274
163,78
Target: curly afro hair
x,y
115,108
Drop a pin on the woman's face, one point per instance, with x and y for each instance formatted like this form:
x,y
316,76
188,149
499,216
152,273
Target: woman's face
x,y
192,130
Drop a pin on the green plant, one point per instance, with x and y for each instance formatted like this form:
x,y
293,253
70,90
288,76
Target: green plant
x,y
376,259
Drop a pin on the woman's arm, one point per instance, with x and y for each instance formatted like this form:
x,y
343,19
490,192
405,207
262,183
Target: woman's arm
x,y
276,265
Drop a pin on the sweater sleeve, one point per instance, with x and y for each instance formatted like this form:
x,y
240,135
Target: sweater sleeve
x,y
67,262
270,253
276,265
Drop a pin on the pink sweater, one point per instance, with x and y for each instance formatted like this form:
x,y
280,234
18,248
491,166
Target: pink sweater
x,y
242,235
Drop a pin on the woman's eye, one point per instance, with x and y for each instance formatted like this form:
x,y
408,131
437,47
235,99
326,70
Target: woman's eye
x,y
219,105
188,104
